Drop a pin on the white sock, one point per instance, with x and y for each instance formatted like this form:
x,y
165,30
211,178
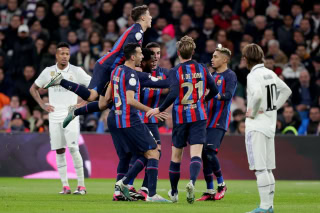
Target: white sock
x,y
144,188
210,191
62,168
78,165
272,187
263,183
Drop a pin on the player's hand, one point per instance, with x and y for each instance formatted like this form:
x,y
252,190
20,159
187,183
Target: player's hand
x,y
249,113
153,112
47,107
162,116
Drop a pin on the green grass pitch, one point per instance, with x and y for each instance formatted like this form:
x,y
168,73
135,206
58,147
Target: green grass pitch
x,y
22,195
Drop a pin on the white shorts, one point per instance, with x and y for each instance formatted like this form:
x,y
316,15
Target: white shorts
x,y
62,138
260,151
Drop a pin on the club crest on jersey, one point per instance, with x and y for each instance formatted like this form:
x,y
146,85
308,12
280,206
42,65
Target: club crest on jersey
x,y
70,78
219,82
52,73
132,82
159,77
138,36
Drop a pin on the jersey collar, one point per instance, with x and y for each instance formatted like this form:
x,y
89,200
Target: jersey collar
x,y
64,70
257,66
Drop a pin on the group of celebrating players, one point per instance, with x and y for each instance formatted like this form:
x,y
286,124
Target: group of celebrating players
x,y
201,113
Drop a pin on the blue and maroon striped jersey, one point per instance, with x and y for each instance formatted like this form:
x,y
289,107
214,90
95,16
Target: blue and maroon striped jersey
x,y
218,111
123,79
192,79
151,96
115,57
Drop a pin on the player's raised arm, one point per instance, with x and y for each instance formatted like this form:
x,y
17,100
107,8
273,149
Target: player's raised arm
x,y
146,80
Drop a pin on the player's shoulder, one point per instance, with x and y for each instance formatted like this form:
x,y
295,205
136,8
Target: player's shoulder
x,y
231,74
137,31
50,69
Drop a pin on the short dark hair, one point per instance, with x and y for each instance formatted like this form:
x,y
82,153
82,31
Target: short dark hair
x,y
153,45
138,11
269,57
63,44
237,112
130,49
147,54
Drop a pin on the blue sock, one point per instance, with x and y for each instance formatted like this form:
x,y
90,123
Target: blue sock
x,y
195,166
145,179
87,109
152,170
216,168
174,175
123,167
81,91
207,171
136,168
134,158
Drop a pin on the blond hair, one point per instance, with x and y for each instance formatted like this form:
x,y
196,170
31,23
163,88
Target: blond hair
x,y
224,51
186,47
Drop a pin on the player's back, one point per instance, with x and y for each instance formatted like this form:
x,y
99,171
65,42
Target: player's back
x,y
116,57
123,79
263,83
189,105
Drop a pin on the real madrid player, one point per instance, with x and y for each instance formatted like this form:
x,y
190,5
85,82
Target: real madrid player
x,y
266,93
105,65
59,101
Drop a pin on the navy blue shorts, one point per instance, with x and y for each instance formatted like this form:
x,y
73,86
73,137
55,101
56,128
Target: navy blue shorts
x,y
118,138
194,132
100,79
140,138
214,138
155,131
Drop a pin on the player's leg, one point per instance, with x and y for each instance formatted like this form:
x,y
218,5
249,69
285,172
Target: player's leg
x,y
144,142
122,152
256,152
197,137
214,140
71,134
88,94
208,176
179,138
153,127
58,143
271,164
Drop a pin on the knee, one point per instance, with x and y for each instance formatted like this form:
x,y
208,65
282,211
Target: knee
x,y
60,151
152,154
93,95
73,149
176,157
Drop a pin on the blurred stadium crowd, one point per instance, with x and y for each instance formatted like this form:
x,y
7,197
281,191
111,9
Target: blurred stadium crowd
x,y
287,30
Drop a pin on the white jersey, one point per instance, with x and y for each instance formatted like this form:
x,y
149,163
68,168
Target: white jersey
x,y
59,97
266,93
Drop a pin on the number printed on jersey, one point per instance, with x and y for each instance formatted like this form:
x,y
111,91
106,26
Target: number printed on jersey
x,y
271,97
187,99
